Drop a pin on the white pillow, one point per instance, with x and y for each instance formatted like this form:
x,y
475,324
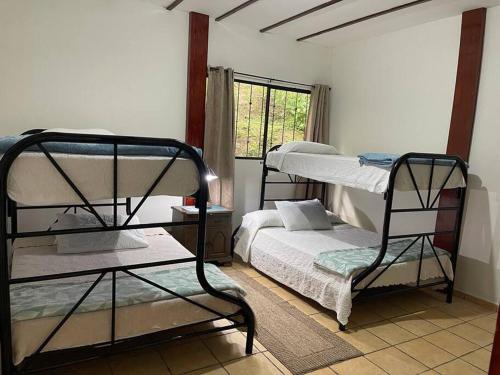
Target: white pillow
x,y
96,241
308,148
265,218
303,215
80,131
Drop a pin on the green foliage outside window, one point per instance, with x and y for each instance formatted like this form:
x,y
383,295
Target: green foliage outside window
x,y
286,117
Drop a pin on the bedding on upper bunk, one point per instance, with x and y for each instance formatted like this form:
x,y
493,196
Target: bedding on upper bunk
x,y
347,171
34,181
38,307
289,257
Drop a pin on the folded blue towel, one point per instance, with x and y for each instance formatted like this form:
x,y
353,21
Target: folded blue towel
x,y
378,159
92,148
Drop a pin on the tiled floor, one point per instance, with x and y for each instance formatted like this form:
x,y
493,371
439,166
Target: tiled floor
x,y
415,333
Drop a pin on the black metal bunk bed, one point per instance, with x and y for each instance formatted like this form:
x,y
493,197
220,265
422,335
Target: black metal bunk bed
x,y
427,204
40,359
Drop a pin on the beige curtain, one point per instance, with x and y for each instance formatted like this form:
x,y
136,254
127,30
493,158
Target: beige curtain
x,y
219,135
318,120
317,130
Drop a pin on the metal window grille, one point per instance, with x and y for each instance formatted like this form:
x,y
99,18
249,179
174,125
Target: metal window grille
x,y
266,115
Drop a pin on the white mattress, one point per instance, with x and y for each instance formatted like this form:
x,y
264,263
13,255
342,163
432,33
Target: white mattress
x,y
346,170
94,327
288,257
33,180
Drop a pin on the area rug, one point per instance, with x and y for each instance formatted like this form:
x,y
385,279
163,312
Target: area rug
x,y
299,342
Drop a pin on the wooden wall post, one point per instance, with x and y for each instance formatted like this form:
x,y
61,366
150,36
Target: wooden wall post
x,y
196,82
464,109
196,79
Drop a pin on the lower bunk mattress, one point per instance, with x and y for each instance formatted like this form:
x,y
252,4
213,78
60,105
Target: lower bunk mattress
x,y
37,308
289,257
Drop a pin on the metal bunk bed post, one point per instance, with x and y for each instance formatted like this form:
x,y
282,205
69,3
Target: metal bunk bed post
x,y
243,317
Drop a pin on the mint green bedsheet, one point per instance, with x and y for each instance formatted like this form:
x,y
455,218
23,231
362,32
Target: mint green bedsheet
x,y
48,299
347,261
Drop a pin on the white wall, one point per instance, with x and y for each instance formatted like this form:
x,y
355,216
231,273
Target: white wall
x,y
248,51
115,64
121,65
394,93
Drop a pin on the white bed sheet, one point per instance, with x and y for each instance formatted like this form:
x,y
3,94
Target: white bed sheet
x,y
346,171
33,180
288,257
94,327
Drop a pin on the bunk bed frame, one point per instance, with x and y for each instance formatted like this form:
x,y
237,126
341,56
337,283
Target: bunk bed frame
x,y
243,317
427,204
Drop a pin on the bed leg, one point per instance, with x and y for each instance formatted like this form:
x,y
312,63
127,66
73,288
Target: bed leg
x,y
449,293
342,327
250,322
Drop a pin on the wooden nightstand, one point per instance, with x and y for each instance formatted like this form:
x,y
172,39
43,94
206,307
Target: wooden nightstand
x,y
218,237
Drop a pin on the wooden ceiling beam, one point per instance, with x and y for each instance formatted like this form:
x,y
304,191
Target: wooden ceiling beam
x,y
365,18
237,9
173,4
300,15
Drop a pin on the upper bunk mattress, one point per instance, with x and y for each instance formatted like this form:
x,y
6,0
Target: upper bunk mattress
x,y
33,180
347,171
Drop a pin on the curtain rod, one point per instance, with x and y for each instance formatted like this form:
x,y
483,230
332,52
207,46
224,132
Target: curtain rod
x,y
266,78
272,79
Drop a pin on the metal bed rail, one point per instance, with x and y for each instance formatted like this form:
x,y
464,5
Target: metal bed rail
x,y
242,318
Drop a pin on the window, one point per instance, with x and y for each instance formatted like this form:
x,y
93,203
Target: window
x,y
267,115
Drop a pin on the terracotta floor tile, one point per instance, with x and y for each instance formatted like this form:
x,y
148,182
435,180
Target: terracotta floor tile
x,y
94,367
472,333
306,307
141,363
185,357
425,352
326,321
439,318
395,362
387,309
408,303
358,366
257,364
487,323
228,347
451,343
464,309
257,345
480,358
390,332
458,367
212,370
362,314
277,363
363,340
415,325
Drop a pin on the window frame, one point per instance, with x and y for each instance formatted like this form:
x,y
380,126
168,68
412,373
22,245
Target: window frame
x,y
268,87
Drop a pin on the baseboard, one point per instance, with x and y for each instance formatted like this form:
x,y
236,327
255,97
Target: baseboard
x,y
477,300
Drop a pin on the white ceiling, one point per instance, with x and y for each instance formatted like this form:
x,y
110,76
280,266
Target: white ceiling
x,y
266,12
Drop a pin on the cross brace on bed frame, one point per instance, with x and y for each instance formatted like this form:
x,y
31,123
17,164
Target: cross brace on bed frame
x,y
427,204
41,359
